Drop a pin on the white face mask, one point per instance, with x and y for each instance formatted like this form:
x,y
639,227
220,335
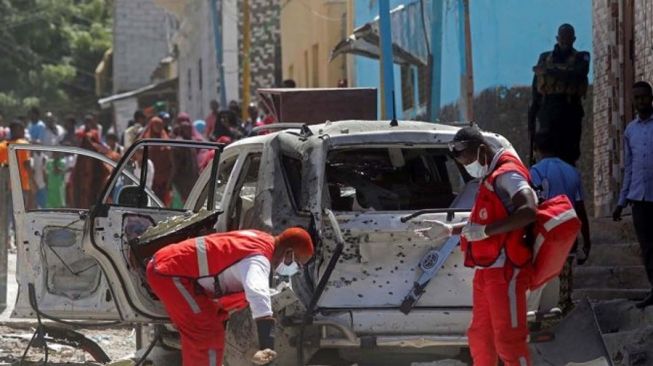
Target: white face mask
x,y
287,269
284,269
475,169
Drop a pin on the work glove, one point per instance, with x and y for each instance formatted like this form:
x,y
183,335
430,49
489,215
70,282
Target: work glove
x,y
436,230
474,232
263,357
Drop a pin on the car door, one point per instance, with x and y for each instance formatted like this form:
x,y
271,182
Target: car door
x,y
116,222
52,192
239,194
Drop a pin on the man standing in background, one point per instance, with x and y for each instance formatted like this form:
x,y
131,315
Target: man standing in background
x,y
35,126
559,86
637,189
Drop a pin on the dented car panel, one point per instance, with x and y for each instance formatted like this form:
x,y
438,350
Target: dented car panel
x,y
381,261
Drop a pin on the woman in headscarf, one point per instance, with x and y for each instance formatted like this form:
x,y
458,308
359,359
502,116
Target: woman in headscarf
x,y
183,121
185,161
161,156
86,169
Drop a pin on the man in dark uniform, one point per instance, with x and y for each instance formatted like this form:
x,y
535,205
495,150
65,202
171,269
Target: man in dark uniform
x,y
559,85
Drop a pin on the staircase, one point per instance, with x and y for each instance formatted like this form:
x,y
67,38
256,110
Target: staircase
x,y
614,269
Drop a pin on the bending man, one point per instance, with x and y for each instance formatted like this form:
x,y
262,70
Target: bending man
x,y
199,280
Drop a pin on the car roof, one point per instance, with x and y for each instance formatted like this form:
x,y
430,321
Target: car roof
x,y
353,127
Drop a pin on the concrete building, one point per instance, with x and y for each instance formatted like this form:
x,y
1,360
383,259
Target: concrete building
x,y
622,55
195,52
142,33
309,31
141,36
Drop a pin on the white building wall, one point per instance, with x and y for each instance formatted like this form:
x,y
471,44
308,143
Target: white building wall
x,y
141,31
196,47
230,54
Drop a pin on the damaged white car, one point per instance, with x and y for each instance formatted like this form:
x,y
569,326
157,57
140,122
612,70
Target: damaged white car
x,y
375,291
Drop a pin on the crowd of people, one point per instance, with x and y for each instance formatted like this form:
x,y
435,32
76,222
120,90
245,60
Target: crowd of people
x,y
57,180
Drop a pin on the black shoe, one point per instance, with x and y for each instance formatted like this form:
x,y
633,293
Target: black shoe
x,y
648,300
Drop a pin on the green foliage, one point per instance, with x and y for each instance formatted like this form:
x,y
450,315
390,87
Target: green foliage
x,y
49,50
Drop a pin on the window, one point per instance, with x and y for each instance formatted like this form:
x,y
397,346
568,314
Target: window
x,y
293,171
390,179
59,180
170,174
316,66
199,74
189,87
242,201
224,172
423,83
407,87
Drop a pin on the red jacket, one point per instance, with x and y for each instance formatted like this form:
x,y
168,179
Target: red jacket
x,y
487,209
209,255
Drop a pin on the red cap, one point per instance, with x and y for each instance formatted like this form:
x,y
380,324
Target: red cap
x,y
299,240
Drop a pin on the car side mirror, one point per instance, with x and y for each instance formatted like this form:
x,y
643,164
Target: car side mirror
x,y
132,196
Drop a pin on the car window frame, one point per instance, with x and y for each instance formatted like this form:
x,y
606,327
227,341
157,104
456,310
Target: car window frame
x,y
237,186
124,160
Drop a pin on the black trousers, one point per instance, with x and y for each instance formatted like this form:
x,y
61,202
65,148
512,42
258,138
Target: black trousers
x,y
643,220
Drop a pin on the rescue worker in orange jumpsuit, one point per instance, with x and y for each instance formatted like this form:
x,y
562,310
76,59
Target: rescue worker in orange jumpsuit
x,y
200,280
494,244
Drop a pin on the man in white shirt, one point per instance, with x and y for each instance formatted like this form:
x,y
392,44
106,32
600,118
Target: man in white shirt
x,y
200,280
53,133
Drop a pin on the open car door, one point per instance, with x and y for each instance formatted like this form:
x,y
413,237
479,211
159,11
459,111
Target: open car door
x,y
53,189
127,226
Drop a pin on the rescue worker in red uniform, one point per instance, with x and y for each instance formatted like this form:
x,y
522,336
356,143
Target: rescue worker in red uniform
x,y
494,244
200,280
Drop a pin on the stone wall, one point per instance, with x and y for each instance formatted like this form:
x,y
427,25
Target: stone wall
x,y
141,31
265,51
623,36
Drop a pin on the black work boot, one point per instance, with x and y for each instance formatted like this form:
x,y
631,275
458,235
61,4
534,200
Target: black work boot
x,y
648,300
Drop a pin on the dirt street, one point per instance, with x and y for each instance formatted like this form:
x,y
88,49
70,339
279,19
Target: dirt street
x,y
117,343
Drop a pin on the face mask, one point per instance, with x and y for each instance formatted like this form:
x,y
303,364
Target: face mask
x,y
287,269
475,169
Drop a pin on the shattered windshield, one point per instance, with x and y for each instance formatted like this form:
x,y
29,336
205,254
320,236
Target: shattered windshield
x,y
391,179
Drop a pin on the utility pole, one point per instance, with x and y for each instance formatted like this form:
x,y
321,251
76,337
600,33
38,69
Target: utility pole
x,y
467,64
387,64
435,61
216,14
5,200
247,78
